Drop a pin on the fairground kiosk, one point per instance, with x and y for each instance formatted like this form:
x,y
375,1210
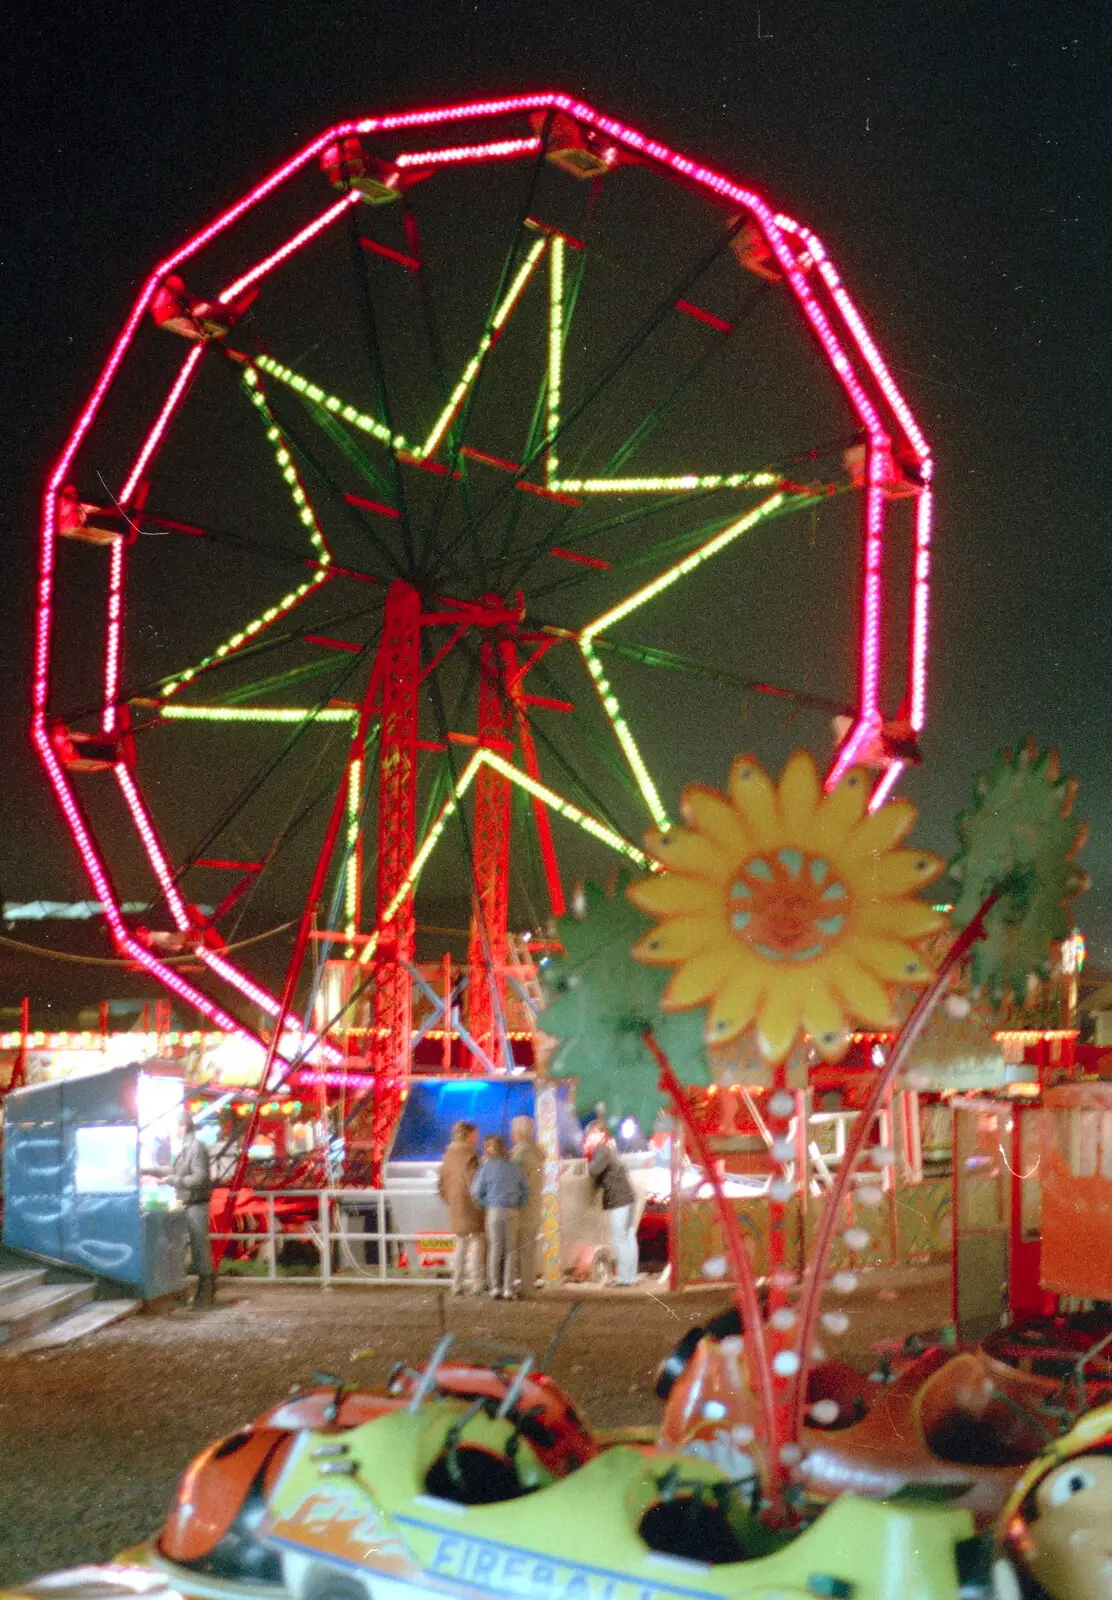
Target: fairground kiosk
x,y
74,1152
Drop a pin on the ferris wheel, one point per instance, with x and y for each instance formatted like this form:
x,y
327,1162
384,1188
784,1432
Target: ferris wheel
x,y
471,467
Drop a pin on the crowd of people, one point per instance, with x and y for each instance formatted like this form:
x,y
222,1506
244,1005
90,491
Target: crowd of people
x,y
494,1207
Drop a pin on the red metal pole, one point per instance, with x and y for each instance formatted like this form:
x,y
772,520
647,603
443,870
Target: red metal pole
x,y
19,1070
305,925
745,1285
392,1011
912,1028
488,951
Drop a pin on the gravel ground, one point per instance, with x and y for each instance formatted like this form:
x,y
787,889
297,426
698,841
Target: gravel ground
x,y
94,1436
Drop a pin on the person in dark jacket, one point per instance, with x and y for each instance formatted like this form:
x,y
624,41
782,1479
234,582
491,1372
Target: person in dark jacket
x,y
501,1190
608,1173
458,1168
192,1181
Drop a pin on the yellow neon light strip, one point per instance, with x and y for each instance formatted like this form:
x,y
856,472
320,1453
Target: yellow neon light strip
x,y
428,844
194,713
550,798
555,352
643,778
330,402
351,868
622,731
565,808
681,483
306,516
673,574
471,370
684,483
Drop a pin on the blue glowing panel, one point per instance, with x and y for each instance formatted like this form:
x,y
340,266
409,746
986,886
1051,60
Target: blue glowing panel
x,y
425,1127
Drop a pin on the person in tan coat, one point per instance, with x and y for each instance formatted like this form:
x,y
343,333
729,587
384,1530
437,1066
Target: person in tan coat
x,y
458,1167
529,1158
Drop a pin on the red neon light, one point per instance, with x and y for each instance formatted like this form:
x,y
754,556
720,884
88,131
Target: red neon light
x,y
372,505
218,864
391,255
578,557
554,233
286,250
704,316
498,150
333,644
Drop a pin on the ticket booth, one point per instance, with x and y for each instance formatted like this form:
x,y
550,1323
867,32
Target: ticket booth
x,y
73,1192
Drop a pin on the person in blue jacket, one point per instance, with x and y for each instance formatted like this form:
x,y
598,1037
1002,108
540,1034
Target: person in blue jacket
x,y
501,1190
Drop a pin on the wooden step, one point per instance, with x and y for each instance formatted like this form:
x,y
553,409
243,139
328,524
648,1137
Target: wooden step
x,y
18,1282
31,1312
78,1325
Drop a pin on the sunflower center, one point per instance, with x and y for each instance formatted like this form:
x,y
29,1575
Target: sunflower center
x,y
787,905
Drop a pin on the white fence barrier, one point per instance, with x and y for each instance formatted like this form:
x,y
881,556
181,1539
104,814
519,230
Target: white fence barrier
x,y
325,1236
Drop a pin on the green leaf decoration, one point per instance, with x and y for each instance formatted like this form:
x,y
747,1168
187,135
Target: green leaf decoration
x,y
1019,833
599,1003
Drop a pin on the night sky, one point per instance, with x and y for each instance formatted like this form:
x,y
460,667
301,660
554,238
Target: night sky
x,y
953,157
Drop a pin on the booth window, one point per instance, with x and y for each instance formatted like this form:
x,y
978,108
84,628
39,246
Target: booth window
x,y
106,1159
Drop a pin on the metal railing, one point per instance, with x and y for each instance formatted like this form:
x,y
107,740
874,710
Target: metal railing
x,y
325,1236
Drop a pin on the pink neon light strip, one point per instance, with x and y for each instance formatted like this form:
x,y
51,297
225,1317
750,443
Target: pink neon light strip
x,y
886,785
920,608
116,565
269,263
107,896
162,422
261,997
499,149
853,319
113,652
211,958
155,854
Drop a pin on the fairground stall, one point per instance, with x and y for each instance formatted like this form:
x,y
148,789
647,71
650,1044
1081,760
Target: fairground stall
x,y
75,1150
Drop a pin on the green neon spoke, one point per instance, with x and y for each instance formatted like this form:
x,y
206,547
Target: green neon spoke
x,y
677,483
332,403
342,439
471,371
306,516
622,731
349,870
555,353
261,687
180,712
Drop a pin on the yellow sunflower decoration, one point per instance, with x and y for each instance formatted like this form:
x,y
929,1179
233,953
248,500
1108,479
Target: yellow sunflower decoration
x,y
787,909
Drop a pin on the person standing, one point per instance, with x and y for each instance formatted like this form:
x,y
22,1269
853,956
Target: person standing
x,y
608,1173
528,1157
500,1189
192,1181
458,1167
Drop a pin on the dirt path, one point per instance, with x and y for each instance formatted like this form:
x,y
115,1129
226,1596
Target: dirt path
x,y
94,1437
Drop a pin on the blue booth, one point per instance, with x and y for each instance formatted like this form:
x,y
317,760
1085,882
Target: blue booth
x,y
73,1194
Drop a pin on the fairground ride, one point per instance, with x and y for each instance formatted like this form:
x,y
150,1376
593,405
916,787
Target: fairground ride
x,y
340,558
